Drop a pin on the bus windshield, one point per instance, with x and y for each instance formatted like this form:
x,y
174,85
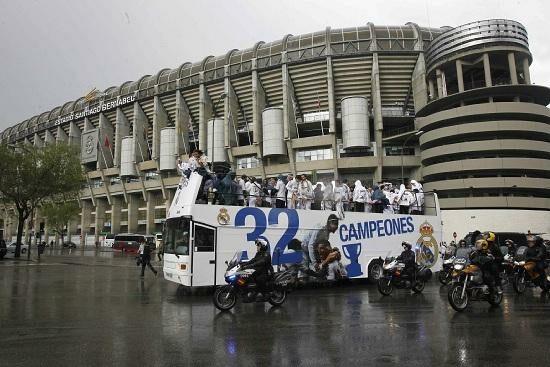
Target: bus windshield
x,y
176,236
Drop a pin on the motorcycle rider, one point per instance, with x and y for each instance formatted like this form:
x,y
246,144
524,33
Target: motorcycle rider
x,y
484,259
496,265
408,258
537,252
261,263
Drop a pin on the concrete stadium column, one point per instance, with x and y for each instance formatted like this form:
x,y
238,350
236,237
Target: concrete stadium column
x,y
231,110
258,104
61,136
72,227
74,134
431,88
205,112
160,120
105,149
330,96
183,121
459,76
116,208
487,70
122,129
101,207
37,141
150,225
88,125
377,114
133,212
49,138
289,113
512,67
418,83
85,219
526,73
259,101
140,126
438,77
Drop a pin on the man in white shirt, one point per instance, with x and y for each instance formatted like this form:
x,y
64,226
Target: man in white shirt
x,y
292,190
254,192
305,193
346,195
242,183
280,186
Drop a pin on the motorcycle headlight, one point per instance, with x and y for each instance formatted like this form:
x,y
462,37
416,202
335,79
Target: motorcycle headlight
x,y
231,278
459,267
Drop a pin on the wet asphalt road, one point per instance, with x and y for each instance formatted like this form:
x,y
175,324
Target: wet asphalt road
x,y
87,309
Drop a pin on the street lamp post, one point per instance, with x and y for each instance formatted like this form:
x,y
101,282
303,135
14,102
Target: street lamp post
x,y
418,133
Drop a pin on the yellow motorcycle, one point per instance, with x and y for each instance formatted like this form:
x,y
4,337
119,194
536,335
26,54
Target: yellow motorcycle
x,y
468,285
526,273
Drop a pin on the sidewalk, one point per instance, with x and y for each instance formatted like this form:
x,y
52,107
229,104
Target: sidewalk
x,y
86,257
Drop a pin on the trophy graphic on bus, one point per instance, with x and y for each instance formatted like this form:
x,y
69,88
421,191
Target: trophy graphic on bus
x,y
352,252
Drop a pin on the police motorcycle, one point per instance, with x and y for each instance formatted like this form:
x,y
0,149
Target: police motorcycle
x,y
526,274
445,274
393,276
240,284
467,284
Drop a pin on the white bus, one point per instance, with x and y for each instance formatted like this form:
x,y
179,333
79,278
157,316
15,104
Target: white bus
x,y
199,238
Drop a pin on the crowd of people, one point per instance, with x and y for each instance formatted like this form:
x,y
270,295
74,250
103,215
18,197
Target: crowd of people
x,y
298,192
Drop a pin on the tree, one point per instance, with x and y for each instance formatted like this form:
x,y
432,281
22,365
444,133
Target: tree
x,y
59,213
31,175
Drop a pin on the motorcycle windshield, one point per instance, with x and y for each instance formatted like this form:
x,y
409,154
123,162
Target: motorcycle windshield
x,y
235,259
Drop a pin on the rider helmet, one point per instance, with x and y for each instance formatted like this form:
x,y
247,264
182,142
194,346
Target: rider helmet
x,y
482,245
490,237
531,240
261,244
406,245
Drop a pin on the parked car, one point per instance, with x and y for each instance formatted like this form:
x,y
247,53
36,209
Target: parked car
x,y
11,248
69,244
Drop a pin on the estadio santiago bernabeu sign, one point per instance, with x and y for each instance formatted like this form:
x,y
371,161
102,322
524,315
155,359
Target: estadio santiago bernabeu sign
x,y
102,107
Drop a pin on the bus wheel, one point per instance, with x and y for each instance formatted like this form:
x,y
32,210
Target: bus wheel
x,y
375,270
225,298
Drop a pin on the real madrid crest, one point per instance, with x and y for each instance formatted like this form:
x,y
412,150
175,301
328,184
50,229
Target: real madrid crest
x,y
426,246
223,217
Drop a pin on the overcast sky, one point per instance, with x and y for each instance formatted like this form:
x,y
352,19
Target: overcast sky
x,y
54,51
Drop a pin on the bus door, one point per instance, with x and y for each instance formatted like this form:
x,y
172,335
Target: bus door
x,y
204,255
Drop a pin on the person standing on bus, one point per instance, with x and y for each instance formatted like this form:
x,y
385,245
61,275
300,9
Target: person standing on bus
x,y
292,190
305,193
145,257
359,196
347,196
280,187
340,197
254,192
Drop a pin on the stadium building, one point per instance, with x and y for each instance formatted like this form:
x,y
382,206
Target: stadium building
x,y
454,108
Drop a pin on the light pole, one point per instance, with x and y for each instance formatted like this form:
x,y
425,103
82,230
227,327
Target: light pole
x,y
418,133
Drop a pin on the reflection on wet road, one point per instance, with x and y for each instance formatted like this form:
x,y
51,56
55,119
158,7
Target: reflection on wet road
x,y
75,310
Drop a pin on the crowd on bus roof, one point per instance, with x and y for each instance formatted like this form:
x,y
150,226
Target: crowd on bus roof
x,y
298,192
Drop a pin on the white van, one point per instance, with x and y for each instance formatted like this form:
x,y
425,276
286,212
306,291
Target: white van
x,y
109,240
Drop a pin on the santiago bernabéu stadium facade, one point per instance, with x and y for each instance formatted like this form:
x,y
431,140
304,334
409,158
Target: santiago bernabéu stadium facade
x,y
452,107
